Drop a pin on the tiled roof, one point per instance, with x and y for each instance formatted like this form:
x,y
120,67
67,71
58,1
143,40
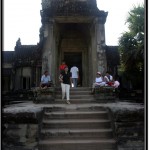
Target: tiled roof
x,y
25,51
71,8
7,56
6,71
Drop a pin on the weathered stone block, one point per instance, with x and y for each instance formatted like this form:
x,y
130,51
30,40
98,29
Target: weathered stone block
x,y
129,128
44,95
20,136
104,93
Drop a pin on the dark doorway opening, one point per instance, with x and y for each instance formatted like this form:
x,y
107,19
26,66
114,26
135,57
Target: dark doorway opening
x,y
74,58
24,83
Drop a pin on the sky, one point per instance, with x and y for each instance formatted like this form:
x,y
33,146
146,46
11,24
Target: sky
x,y
21,19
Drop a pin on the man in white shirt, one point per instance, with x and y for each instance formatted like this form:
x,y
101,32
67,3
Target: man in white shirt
x,y
45,80
98,81
108,77
75,75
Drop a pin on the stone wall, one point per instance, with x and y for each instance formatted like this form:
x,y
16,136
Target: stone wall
x,y
20,131
20,137
128,128
20,126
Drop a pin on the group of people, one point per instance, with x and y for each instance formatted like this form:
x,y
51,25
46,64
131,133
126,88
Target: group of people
x,y
70,78
74,71
66,78
107,80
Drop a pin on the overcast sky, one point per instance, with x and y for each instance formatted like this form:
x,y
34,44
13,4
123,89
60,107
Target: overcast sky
x,y
21,18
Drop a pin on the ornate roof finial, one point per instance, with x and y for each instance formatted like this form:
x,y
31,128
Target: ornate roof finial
x,y
18,42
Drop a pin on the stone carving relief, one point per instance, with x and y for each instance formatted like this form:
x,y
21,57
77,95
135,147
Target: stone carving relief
x,y
101,56
46,31
45,63
49,25
46,3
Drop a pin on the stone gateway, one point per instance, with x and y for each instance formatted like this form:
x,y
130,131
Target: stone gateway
x,y
72,30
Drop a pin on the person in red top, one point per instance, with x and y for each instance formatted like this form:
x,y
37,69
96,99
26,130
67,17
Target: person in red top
x,y
62,66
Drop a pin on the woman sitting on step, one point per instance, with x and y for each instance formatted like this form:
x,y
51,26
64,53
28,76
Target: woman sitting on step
x,y
98,81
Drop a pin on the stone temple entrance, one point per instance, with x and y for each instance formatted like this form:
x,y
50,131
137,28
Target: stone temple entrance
x,y
73,47
73,31
74,58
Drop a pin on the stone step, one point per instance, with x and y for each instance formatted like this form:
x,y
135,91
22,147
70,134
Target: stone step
x,y
76,123
74,101
81,89
60,101
74,107
76,89
71,144
76,93
76,96
76,127
76,133
76,114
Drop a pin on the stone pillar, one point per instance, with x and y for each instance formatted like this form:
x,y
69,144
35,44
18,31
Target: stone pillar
x,y
101,53
92,55
36,75
48,56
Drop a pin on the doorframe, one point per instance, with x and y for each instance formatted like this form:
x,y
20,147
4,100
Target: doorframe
x,y
80,66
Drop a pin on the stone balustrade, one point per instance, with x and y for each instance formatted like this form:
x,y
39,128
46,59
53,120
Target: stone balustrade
x,y
105,93
44,95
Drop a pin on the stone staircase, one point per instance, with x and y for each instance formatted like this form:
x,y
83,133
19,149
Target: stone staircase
x,y
79,126
80,95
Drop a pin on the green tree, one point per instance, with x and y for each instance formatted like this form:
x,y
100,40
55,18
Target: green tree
x,y
131,47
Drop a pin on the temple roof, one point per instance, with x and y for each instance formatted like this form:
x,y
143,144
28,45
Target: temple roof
x,y
25,51
7,71
7,56
52,8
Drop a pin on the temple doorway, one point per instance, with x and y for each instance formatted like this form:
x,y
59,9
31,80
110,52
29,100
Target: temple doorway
x,y
74,58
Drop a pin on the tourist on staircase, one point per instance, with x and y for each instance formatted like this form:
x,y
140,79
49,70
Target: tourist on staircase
x,y
65,79
98,81
75,75
45,81
62,67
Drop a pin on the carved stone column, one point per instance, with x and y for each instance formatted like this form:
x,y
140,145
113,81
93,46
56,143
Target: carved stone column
x,y
92,54
97,54
36,76
101,53
48,56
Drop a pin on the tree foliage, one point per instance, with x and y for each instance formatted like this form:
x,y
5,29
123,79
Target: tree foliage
x,y
131,46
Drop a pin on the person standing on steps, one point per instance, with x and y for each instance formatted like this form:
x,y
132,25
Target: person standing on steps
x,y
65,79
62,66
75,75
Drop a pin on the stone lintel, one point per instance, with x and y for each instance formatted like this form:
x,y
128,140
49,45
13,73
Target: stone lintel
x,y
74,19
